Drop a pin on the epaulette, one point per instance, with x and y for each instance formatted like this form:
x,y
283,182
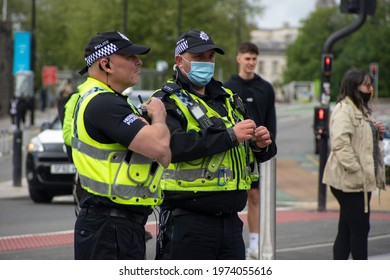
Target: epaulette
x,y
238,104
167,89
171,88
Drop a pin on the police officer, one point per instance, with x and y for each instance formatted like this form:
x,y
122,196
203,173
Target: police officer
x,y
213,145
113,149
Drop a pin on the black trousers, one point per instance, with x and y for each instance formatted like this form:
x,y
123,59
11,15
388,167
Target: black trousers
x,y
197,236
101,237
353,227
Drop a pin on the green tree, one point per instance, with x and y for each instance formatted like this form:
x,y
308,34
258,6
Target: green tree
x,y
367,46
64,27
358,49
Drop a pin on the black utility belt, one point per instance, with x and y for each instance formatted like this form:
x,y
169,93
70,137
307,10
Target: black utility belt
x,y
182,211
115,212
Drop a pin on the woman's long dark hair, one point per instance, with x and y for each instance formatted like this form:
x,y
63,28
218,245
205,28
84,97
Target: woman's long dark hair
x,y
350,83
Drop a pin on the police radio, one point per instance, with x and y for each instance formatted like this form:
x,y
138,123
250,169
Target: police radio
x,y
199,114
144,112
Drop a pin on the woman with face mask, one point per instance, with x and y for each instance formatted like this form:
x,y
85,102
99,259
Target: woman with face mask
x,y
355,165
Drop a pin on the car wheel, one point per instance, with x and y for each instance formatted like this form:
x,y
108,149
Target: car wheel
x,y
39,196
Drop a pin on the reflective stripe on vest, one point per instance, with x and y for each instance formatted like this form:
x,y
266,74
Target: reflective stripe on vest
x,y
107,169
225,171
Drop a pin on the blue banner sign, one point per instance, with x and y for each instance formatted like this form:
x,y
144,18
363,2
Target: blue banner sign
x,y
22,51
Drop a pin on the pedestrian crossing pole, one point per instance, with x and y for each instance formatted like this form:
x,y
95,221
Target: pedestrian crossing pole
x,y
321,124
267,224
17,157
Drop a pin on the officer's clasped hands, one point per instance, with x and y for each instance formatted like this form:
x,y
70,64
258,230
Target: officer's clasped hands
x,y
155,108
244,130
262,137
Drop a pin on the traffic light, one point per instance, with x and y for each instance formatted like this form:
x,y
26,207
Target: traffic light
x,y
374,70
327,60
321,116
353,6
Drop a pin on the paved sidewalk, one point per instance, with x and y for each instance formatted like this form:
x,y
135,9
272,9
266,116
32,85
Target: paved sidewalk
x,y
7,190
300,187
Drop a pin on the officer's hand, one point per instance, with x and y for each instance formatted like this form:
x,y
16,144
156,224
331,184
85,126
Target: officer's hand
x,y
155,108
143,119
262,137
244,130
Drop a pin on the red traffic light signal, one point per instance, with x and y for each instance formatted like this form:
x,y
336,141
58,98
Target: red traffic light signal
x,y
321,114
327,60
373,69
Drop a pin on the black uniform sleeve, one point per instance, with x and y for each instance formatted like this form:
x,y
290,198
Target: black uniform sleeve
x,y
267,153
61,107
109,119
191,145
270,117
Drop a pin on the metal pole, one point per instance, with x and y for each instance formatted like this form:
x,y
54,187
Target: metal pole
x,y
267,210
323,153
17,158
31,101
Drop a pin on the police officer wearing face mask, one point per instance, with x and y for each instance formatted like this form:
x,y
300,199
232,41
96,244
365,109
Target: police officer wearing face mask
x,y
214,145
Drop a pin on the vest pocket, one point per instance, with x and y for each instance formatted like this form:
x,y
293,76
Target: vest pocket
x,y
139,168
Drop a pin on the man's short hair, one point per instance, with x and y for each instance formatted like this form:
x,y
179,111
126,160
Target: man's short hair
x,y
248,47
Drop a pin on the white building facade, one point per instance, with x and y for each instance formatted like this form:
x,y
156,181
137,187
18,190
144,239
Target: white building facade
x,y
272,44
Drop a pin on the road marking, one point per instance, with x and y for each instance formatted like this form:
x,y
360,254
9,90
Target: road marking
x,y
283,215
322,245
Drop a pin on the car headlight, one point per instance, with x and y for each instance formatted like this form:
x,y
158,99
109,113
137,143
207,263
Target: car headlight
x,y
35,145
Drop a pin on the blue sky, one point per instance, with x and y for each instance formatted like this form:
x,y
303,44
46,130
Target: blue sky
x,y
279,11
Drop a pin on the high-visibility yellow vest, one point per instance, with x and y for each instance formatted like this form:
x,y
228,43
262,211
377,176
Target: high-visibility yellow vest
x,y
68,118
226,171
103,168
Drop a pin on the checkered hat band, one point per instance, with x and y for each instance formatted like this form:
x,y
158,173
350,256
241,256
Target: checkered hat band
x,y
181,47
105,51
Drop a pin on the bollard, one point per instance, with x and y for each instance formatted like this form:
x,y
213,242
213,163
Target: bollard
x,y
2,142
267,223
32,111
17,158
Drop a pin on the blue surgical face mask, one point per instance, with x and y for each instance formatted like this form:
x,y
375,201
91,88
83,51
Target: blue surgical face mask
x,y
201,72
